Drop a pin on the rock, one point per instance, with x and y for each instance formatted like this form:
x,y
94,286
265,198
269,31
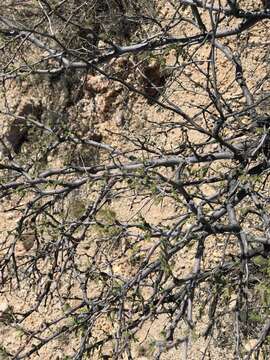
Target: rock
x,y
250,344
30,108
105,96
28,241
120,118
17,133
96,137
5,150
4,307
152,80
96,84
5,312
233,302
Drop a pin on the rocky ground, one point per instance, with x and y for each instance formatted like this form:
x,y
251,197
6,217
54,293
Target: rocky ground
x,y
104,111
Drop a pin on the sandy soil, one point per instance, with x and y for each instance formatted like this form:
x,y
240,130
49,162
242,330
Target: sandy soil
x,y
116,124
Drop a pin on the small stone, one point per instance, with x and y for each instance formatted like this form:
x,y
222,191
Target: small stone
x,y
233,302
249,345
28,241
120,119
4,306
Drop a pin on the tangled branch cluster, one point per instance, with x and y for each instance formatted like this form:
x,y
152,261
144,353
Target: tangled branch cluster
x,y
81,247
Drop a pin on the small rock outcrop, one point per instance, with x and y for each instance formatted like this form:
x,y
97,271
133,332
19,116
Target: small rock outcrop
x,y
17,133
